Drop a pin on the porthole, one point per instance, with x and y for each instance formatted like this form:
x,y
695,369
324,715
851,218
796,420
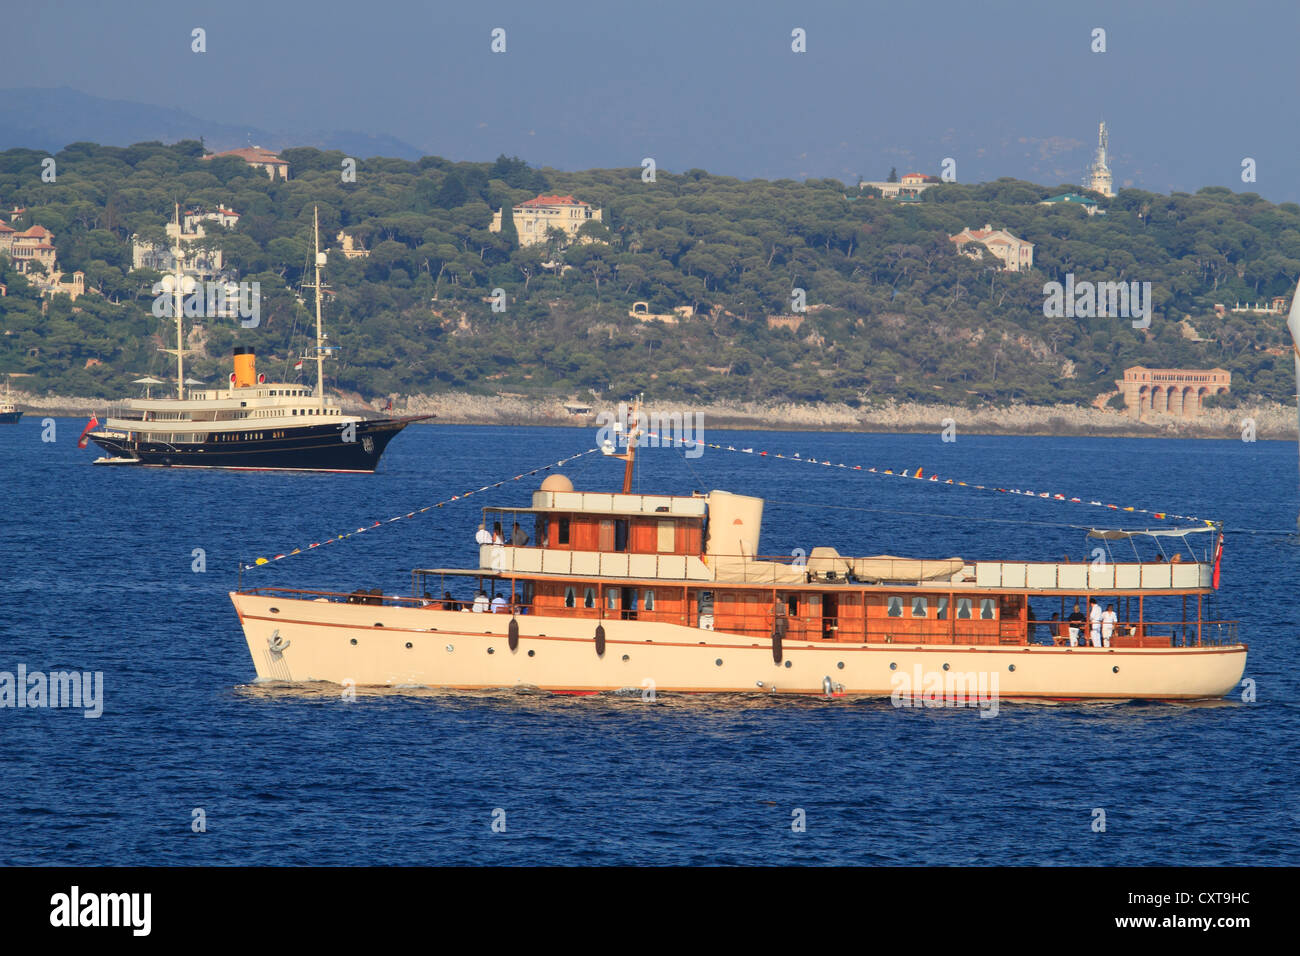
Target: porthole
x,y
893,666
840,665
1115,670
718,662
275,610
945,666
450,648
789,664
379,623
626,658
532,653
1011,667
409,645
354,642
492,650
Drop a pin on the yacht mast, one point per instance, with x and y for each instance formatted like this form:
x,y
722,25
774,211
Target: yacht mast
x,y
175,284
320,334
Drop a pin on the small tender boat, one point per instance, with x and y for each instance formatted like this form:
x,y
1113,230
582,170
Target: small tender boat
x,y
9,412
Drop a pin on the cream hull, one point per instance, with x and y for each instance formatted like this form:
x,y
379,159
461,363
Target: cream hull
x,y
368,645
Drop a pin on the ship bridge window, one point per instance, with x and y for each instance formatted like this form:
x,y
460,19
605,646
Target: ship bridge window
x,y
570,598
920,607
562,532
963,609
895,606
987,609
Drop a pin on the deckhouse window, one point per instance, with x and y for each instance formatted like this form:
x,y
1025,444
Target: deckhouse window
x,y
589,597
562,535
963,609
649,603
611,599
987,609
895,607
570,597
920,607
942,613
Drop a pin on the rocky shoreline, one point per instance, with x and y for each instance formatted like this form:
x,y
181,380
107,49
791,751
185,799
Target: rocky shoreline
x,y
1270,421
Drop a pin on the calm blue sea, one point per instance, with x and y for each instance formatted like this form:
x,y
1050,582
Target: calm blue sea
x,y
98,576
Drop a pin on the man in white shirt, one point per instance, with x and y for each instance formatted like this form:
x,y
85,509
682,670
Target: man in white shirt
x,y
481,604
499,604
1108,619
484,536
1094,620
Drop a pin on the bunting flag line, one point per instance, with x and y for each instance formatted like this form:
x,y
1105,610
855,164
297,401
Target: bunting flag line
x,y
343,536
920,474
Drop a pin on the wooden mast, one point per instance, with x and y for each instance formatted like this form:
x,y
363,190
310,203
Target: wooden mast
x,y
629,457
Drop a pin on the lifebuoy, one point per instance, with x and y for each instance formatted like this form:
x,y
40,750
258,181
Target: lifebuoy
x,y
513,631
600,640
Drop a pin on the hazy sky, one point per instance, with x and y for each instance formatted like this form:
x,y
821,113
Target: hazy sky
x,y
1005,88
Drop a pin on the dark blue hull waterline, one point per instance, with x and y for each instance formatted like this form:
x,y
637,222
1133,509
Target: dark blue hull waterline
x,y
310,448
125,571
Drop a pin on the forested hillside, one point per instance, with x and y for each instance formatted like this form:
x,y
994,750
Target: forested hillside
x,y
893,311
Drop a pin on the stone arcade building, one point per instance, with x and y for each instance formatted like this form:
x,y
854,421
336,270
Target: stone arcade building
x,y
1174,391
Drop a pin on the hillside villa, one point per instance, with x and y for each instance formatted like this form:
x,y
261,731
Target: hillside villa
x,y
534,217
258,158
1016,254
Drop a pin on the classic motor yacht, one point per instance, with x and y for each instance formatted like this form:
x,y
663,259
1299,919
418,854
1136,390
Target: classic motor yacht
x,y
616,591
252,425
9,412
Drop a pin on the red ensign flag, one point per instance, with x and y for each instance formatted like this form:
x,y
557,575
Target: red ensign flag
x,y
93,423
1218,557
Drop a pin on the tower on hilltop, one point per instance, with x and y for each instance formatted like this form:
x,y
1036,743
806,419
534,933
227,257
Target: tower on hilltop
x,y
1099,178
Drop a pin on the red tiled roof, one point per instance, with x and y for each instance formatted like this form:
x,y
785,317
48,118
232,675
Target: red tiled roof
x,y
253,154
36,232
553,201
5,227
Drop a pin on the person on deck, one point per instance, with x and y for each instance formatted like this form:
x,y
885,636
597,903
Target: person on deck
x,y
1057,637
499,604
481,604
518,536
483,536
449,603
1032,624
1075,621
1094,621
1108,620
496,534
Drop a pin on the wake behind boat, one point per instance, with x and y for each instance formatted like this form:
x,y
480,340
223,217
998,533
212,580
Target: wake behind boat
x,y
254,425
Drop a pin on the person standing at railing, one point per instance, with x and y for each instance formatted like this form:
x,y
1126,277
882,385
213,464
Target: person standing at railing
x,y
1076,620
518,536
1108,619
483,536
1094,621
